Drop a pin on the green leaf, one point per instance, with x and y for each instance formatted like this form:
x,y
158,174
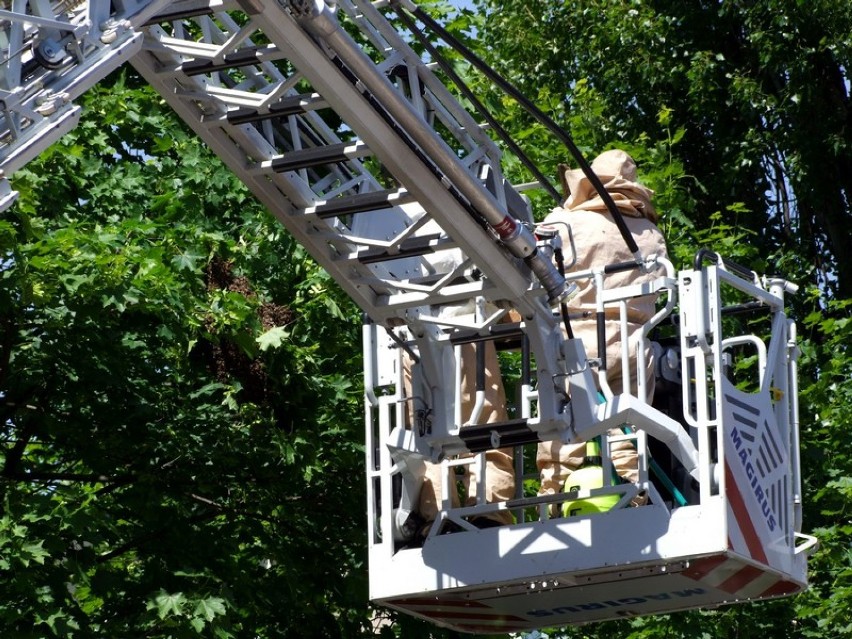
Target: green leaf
x,y
35,552
169,604
273,338
209,608
187,260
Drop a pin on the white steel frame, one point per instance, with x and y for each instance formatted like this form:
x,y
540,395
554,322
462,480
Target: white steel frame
x,y
737,538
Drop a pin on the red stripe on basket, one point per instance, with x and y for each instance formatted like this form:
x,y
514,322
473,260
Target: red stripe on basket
x,y
743,518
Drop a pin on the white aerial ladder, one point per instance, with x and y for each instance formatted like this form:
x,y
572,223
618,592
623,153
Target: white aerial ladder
x,y
356,145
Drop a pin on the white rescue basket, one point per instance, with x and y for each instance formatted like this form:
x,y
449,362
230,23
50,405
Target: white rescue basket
x,y
722,521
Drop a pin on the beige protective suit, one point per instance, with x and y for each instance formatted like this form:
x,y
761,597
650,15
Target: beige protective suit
x,y
499,476
598,243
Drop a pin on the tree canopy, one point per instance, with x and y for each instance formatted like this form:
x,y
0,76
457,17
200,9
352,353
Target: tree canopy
x,y
180,384
180,437
755,94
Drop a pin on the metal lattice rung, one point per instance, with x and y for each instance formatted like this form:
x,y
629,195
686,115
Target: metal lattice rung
x,y
292,105
360,203
192,10
411,248
319,156
241,58
482,437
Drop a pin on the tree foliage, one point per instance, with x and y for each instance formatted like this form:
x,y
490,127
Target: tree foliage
x,y
758,93
181,453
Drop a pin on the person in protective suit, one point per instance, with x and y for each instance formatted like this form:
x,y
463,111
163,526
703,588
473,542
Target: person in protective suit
x,y
499,484
598,242
499,476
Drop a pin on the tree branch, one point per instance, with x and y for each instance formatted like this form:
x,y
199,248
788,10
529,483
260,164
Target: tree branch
x,y
133,544
6,344
90,478
14,456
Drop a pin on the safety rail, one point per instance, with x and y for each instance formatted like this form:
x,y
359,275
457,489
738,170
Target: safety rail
x,y
581,397
718,474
